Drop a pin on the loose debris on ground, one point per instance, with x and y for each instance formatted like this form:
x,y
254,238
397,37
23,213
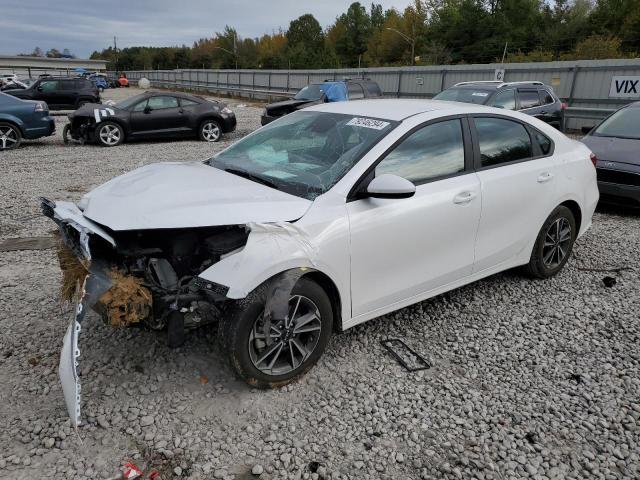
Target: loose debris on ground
x,y
528,379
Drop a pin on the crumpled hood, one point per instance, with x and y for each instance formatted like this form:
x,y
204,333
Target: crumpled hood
x,y
88,110
624,150
187,195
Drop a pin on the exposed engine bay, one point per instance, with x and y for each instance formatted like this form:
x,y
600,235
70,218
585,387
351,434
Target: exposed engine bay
x,y
152,275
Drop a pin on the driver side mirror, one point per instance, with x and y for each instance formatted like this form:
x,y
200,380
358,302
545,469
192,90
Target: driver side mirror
x,y
39,89
147,109
390,186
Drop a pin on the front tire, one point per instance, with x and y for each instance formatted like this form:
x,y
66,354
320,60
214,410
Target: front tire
x,y
109,134
295,347
10,136
553,245
210,131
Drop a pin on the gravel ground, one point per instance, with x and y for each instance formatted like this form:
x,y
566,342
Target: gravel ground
x,y
529,379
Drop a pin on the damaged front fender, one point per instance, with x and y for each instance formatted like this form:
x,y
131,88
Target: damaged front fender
x,y
271,248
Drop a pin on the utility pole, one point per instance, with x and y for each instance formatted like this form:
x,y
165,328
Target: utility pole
x,y
410,40
115,49
504,53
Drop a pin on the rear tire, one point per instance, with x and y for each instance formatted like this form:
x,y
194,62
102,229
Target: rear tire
x,y
553,245
10,136
66,132
109,134
242,336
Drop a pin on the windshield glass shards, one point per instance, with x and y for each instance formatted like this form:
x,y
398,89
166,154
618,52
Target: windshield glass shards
x,y
303,153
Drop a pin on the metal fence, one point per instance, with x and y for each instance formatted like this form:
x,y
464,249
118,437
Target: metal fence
x,y
584,85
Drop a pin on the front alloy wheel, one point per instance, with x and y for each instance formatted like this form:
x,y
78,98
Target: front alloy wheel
x,y
109,134
292,340
210,131
293,344
9,136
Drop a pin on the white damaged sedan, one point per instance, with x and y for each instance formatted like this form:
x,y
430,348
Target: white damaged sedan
x,y
319,221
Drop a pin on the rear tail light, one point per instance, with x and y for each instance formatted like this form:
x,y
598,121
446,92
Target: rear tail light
x,y
563,106
594,159
41,107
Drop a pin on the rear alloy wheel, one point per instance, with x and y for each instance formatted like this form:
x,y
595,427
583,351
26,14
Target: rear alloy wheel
x,y
554,244
294,344
10,136
210,131
109,134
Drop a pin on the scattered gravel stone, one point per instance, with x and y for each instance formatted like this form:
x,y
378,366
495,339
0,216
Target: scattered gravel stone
x,y
529,379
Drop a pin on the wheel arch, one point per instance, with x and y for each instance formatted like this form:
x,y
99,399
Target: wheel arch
x,y
575,210
330,288
15,121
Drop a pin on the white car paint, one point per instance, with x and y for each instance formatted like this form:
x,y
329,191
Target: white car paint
x,y
184,195
381,254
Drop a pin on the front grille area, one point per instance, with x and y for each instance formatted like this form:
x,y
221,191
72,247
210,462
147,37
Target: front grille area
x,y
619,177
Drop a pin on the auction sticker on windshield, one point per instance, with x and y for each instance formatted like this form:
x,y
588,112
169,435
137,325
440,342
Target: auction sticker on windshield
x,y
368,123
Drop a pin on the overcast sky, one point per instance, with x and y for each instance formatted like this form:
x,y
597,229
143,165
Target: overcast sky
x,y
83,26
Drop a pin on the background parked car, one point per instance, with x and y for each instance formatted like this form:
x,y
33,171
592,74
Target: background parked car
x,y
60,92
616,144
100,80
17,84
7,78
150,115
316,93
23,119
533,98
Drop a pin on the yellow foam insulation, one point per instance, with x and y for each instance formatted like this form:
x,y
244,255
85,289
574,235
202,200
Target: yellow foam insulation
x,y
126,302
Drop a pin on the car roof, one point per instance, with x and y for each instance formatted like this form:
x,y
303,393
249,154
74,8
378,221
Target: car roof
x,y
399,109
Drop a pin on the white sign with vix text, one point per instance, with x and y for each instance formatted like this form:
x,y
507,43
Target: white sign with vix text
x,y
625,87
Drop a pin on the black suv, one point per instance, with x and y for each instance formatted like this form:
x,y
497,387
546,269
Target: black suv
x,y
60,92
327,91
533,98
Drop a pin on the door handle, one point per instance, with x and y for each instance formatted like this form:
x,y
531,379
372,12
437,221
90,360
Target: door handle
x,y
543,112
545,177
464,198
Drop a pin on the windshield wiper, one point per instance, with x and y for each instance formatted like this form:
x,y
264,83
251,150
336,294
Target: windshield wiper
x,y
251,176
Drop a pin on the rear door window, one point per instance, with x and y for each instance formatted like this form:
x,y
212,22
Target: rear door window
x,y
501,141
355,91
506,100
187,103
528,99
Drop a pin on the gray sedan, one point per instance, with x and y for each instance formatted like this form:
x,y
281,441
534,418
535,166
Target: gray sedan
x,y
616,144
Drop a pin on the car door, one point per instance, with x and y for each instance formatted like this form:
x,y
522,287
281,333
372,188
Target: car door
x,y
401,248
519,179
68,92
159,115
49,91
529,102
549,111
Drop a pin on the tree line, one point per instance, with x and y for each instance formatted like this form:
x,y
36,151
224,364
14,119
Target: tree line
x,y
428,32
